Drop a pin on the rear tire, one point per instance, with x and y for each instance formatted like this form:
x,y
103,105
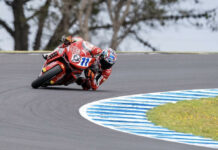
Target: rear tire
x,y
46,76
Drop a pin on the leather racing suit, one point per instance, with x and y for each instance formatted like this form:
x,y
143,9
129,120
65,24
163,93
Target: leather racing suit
x,y
95,75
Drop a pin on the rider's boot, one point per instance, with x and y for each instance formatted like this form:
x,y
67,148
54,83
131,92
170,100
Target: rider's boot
x,y
80,80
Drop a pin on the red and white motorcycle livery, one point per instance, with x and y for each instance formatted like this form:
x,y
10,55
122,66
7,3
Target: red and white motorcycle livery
x,y
64,66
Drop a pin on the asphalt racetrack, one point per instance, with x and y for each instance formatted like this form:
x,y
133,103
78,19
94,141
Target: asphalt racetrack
x,y
48,118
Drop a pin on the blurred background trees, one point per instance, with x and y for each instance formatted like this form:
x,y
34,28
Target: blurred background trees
x,y
116,19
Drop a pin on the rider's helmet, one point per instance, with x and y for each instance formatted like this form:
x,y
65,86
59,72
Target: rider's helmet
x,y
107,58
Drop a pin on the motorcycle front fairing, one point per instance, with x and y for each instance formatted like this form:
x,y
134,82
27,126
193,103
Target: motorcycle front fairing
x,y
79,57
55,58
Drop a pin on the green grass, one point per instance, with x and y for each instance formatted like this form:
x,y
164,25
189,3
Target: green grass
x,y
199,117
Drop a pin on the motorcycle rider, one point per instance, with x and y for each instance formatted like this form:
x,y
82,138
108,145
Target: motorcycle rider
x,y
100,70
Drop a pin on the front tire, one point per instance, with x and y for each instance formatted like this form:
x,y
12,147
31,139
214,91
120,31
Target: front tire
x,y
46,76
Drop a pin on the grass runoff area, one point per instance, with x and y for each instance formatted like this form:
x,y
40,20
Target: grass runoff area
x,y
199,117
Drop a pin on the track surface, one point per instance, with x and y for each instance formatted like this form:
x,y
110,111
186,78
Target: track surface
x,y
48,119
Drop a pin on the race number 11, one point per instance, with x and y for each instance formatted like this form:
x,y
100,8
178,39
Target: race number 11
x,y
85,62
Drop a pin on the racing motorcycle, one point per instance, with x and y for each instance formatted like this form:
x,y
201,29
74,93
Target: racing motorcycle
x,y
63,66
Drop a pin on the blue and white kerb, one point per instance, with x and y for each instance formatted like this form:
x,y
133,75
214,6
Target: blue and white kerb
x,y
128,114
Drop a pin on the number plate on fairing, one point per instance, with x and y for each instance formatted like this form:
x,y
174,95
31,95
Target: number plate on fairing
x,y
84,62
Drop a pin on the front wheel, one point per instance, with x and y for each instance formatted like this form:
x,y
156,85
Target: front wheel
x,y
46,76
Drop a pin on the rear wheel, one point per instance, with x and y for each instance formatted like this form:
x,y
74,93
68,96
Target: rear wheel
x,y
46,76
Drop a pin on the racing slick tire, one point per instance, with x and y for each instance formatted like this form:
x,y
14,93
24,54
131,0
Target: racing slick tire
x,y
46,76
